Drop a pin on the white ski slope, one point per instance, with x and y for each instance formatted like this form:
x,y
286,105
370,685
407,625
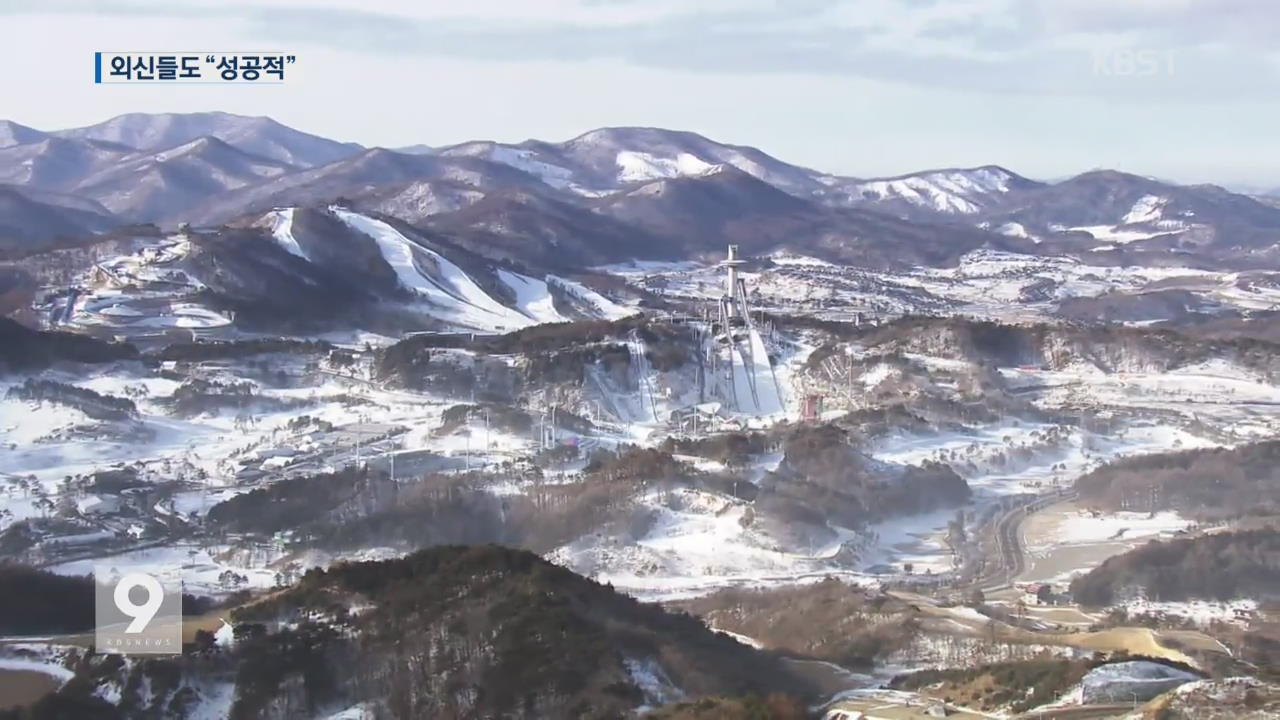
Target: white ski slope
x,y
604,307
753,368
282,231
460,299
532,297
528,161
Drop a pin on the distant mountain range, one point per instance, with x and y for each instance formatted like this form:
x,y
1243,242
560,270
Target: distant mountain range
x,y
609,194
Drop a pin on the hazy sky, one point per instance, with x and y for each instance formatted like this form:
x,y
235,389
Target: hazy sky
x,y
859,87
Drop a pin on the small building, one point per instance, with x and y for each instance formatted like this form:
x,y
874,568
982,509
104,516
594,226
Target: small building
x,y
98,505
250,474
1037,594
812,408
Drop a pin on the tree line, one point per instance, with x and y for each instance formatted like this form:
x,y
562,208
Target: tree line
x,y
1220,566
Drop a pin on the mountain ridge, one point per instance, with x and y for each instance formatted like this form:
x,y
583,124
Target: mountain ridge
x,y
259,135
209,169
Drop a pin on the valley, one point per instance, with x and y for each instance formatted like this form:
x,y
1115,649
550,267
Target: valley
x,y
883,443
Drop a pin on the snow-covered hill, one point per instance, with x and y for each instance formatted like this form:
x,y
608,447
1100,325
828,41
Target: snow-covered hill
x,y
306,264
950,192
166,185
255,135
206,169
609,158
11,133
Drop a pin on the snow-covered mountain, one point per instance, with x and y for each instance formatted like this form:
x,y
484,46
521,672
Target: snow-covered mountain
x,y
610,158
11,133
58,164
703,214
255,135
418,149
633,191
960,191
315,269
532,228
26,222
370,171
416,200
1145,218
63,200
165,185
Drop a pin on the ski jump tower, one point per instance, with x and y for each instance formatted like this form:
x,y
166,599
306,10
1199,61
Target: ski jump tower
x,y
748,377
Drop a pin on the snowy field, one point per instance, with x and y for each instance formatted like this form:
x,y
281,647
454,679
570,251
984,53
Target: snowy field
x,y
1066,540
206,452
1021,459
693,541
697,543
1203,613
1085,528
985,283
195,568
150,293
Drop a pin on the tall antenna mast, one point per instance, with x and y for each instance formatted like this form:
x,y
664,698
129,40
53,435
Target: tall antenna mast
x,y
731,264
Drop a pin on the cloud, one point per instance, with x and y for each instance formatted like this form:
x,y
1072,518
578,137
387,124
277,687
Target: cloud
x,y
1206,48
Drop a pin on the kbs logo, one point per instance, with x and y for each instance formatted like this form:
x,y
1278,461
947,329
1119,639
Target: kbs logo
x,y
1124,62
136,613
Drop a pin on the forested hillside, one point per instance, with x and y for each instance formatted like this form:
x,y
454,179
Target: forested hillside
x,y
1222,566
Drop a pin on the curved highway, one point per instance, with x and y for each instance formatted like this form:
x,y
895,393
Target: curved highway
x,y
1011,556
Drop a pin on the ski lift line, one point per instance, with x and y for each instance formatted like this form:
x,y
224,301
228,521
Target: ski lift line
x,y
641,367
724,323
751,346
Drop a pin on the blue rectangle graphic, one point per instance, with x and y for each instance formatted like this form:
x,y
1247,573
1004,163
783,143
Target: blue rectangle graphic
x,y
97,68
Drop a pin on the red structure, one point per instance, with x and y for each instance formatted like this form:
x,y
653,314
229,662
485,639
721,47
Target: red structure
x,y
812,407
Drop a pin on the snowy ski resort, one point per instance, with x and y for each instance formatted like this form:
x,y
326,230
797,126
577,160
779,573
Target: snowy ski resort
x,y
705,425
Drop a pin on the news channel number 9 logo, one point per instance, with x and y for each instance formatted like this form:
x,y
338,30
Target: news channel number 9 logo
x,y
137,612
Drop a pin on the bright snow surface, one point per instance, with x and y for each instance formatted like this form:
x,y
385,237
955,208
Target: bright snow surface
x,y
532,297
282,231
437,280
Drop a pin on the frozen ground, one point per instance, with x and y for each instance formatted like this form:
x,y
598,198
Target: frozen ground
x,y
697,542
696,550
918,540
36,657
1066,539
985,283
1143,680
1203,613
364,711
1017,459
193,567
1083,528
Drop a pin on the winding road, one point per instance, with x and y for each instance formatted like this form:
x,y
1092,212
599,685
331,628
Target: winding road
x,y
1008,537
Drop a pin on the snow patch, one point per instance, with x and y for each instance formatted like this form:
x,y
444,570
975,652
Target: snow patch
x,y
641,167
603,306
1119,235
532,297
652,680
457,295
1148,208
282,231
